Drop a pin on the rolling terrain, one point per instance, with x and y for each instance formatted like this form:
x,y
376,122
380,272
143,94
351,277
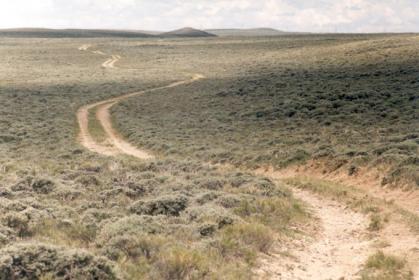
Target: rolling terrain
x,y
99,33
187,32
247,32
210,158
70,33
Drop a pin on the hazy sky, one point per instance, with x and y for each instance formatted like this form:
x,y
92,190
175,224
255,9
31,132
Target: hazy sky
x,y
289,15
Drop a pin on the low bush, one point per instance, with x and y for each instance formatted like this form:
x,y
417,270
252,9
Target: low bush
x,y
376,223
38,185
244,241
146,246
43,186
18,222
179,263
130,225
65,232
273,212
29,261
385,267
169,205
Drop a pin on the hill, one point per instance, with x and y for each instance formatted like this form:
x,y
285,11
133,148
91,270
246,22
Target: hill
x,y
70,33
187,32
247,32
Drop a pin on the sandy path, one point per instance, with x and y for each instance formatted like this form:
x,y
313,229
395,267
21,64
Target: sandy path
x,y
110,63
368,180
104,118
117,144
102,114
338,252
84,47
344,242
99,52
85,138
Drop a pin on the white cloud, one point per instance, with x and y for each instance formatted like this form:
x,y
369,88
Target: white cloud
x,y
298,15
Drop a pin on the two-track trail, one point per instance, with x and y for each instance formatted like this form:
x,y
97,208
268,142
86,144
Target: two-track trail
x,y
110,63
337,251
116,144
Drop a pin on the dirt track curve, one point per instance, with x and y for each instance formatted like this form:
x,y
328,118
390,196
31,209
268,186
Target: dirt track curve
x,y
116,144
338,251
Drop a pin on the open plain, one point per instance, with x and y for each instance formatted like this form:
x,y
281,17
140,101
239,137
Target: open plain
x,y
277,157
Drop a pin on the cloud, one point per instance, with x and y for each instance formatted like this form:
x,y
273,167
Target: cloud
x,y
292,15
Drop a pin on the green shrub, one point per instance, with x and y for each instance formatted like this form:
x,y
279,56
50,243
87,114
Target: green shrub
x,y
168,205
146,246
43,186
6,235
385,267
19,222
38,185
29,261
133,225
376,223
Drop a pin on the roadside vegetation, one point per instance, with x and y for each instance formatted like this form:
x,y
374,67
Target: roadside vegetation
x,y
68,213
385,267
347,102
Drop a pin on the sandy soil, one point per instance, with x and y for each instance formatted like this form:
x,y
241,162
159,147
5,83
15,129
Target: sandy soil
x,y
338,251
343,241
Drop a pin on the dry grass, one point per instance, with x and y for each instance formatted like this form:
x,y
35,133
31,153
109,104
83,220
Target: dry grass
x,y
177,218
385,267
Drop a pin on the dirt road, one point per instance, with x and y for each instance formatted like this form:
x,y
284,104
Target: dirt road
x,y
110,63
117,144
338,250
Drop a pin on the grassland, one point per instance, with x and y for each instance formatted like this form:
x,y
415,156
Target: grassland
x,y
350,101
69,213
276,101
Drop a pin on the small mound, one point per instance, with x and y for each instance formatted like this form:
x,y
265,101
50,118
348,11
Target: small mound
x,y
252,32
187,32
28,261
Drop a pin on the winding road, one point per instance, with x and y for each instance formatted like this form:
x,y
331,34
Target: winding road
x,y
116,144
342,244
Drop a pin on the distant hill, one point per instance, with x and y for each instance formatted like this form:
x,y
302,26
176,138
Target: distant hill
x,y
187,32
70,33
246,32
93,33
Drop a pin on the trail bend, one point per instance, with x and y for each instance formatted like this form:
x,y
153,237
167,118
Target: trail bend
x,y
117,145
338,251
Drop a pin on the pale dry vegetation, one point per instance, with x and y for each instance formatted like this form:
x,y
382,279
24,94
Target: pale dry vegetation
x,y
349,101
69,213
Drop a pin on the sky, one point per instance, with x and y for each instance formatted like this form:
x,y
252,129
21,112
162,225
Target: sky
x,y
287,15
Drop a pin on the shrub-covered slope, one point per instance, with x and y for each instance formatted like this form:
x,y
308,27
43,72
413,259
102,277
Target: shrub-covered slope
x,y
348,102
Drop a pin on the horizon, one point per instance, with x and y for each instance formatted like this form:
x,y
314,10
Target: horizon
x,y
347,16
140,30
